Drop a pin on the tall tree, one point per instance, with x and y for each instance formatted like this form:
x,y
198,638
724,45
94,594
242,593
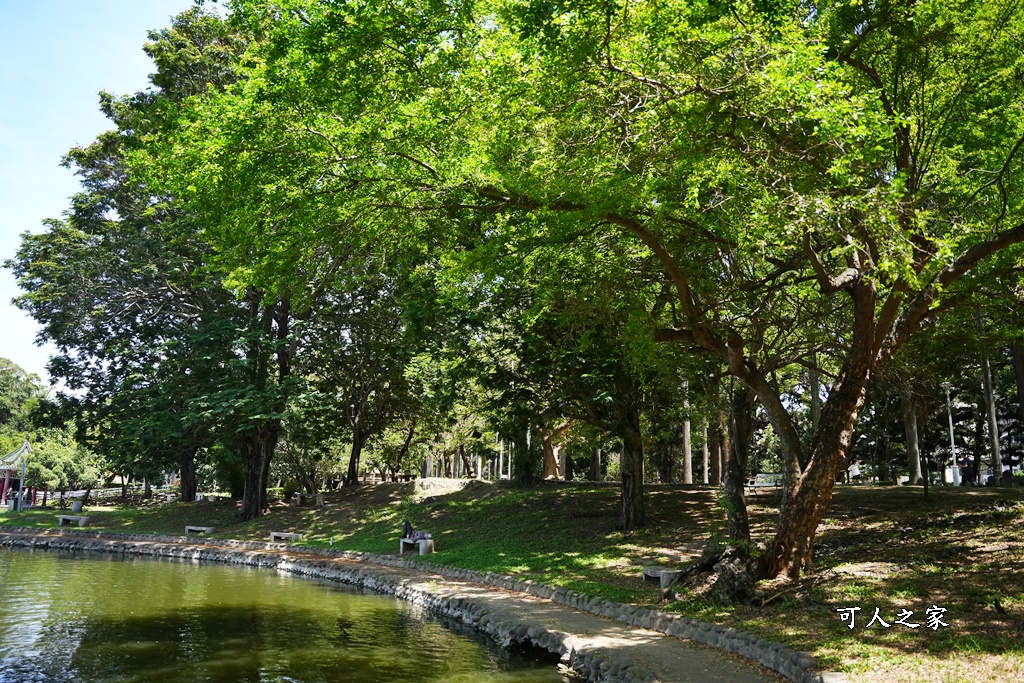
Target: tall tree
x,y
126,287
851,169
822,137
20,391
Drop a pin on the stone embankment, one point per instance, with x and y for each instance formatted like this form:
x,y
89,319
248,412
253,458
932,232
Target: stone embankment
x,y
583,638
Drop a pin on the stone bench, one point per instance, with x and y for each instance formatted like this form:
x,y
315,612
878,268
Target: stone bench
x,y
68,520
662,576
425,546
284,536
300,499
199,529
763,481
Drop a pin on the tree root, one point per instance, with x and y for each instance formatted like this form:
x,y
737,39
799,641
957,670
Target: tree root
x,y
728,574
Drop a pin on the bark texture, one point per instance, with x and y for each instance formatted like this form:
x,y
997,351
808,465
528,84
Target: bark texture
x,y
736,465
633,511
187,472
913,442
256,449
595,465
715,453
996,462
354,456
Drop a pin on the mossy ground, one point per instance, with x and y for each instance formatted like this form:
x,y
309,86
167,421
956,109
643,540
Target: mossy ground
x,y
889,548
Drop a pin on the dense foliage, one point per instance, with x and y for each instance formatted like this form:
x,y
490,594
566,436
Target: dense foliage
x,y
429,229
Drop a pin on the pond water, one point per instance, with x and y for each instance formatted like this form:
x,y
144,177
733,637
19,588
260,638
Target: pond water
x,y
93,617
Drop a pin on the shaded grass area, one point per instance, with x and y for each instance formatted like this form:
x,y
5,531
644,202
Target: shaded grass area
x,y
893,550
886,548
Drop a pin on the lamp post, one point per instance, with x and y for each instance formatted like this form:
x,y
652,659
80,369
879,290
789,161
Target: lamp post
x,y
952,441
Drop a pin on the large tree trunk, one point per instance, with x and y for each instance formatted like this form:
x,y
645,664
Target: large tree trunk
x,y
550,461
595,465
187,472
255,449
663,457
309,482
719,434
990,406
251,507
807,500
736,466
467,464
405,447
993,423
265,474
524,462
634,512
715,450
352,475
257,445
913,443
553,467
885,466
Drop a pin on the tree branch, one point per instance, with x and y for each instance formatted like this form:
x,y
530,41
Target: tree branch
x,y
920,305
828,283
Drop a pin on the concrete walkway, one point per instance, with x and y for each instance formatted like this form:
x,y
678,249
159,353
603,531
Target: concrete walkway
x,y
599,648
669,659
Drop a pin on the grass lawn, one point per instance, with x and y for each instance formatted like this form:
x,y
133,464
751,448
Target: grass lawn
x,y
880,547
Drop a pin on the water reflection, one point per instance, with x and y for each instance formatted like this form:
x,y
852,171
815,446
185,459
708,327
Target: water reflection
x,y
100,618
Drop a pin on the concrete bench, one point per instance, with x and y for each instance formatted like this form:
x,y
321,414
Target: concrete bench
x,y
284,536
662,576
67,520
199,529
425,546
763,481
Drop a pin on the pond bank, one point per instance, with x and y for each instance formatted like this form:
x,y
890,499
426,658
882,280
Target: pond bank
x,y
599,639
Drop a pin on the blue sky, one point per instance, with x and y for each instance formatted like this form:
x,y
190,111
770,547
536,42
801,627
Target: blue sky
x,y
55,56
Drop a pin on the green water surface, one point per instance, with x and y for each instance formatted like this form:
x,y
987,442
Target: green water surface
x,y
91,617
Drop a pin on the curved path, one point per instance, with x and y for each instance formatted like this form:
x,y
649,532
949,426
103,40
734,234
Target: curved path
x,y
598,647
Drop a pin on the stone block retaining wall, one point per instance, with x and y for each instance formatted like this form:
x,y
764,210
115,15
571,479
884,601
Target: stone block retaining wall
x,y
593,666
